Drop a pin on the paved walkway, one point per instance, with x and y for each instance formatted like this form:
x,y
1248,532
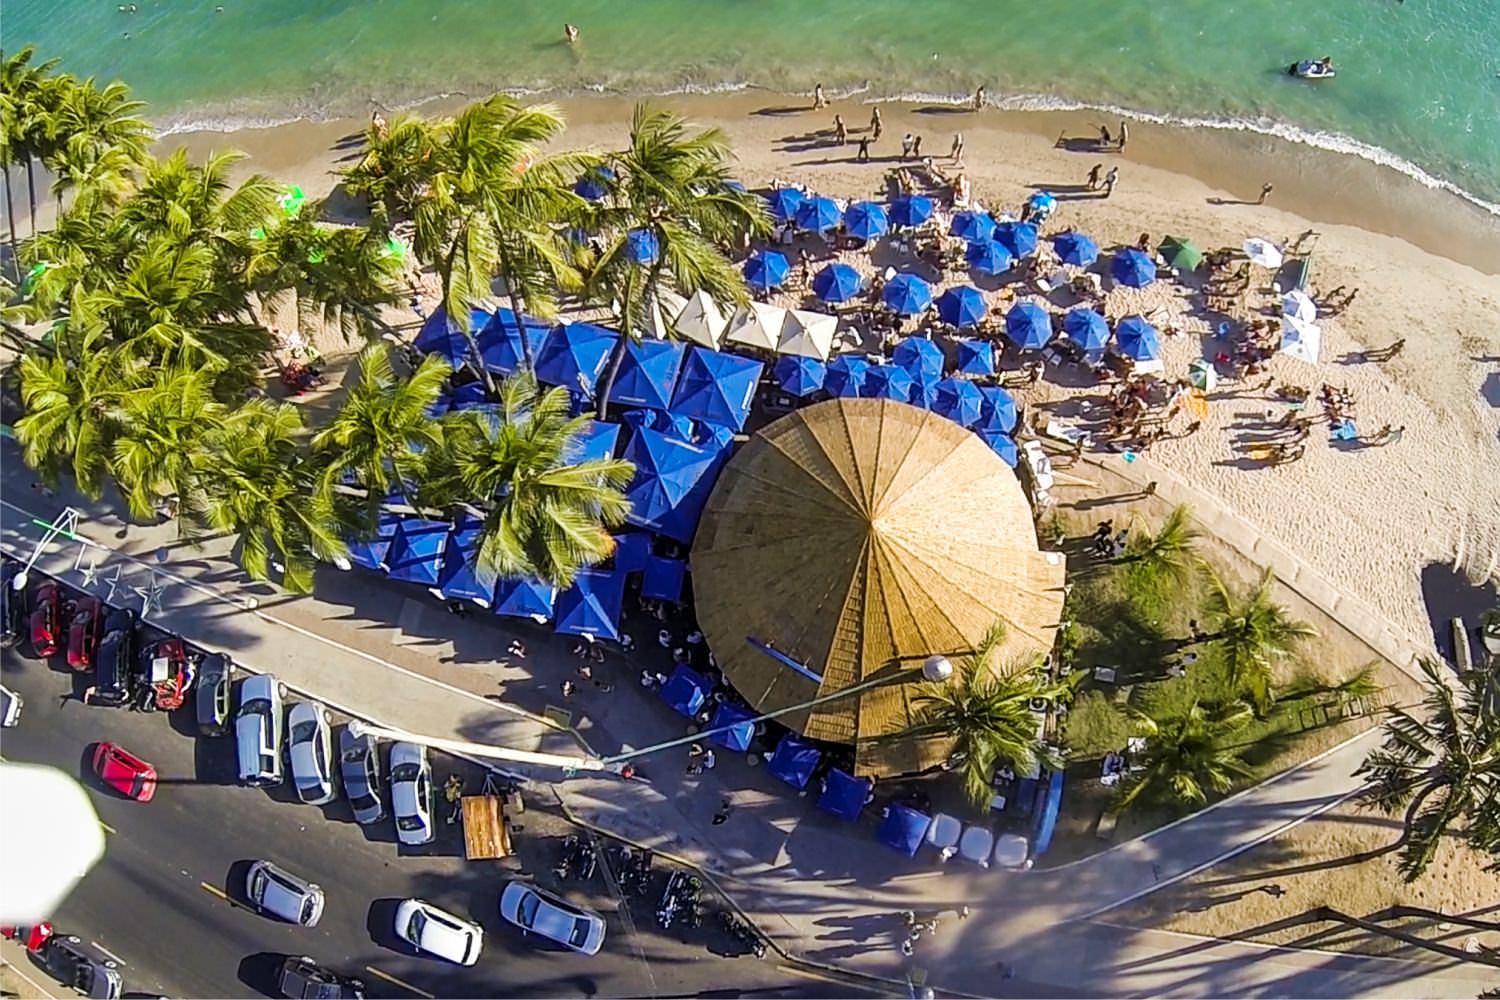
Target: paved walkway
x,y
823,889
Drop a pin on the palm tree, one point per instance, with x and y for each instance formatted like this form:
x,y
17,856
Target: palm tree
x,y
1188,754
158,451
197,204
396,169
101,175
988,716
1443,769
383,427
544,516
1169,552
30,94
1252,632
672,185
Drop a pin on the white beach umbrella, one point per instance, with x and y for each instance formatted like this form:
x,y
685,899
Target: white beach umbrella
x,y
660,312
1298,304
808,334
1263,252
702,321
1300,340
756,324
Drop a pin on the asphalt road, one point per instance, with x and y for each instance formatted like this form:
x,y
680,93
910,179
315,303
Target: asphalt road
x,y
164,899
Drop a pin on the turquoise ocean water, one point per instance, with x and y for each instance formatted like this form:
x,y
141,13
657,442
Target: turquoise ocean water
x,y
1418,82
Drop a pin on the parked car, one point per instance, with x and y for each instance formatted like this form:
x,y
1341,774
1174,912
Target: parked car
x,y
276,891
359,765
11,704
164,667
215,675
438,932
85,629
46,618
13,619
114,669
124,772
304,978
257,731
540,912
81,965
411,793
311,745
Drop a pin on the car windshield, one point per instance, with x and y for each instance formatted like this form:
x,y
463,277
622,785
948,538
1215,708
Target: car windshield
x,y
409,822
363,801
580,933
256,706
354,755
405,772
415,925
138,785
303,732
529,904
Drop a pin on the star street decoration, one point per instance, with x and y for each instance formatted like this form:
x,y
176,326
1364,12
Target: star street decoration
x,y
150,596
90,572
115,583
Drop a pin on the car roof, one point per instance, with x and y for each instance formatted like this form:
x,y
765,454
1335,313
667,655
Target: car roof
x,y
282,895
119,762
258,686
442,936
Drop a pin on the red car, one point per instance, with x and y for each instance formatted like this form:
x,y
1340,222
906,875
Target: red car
x,y
46,618
166,668
85,627
125,772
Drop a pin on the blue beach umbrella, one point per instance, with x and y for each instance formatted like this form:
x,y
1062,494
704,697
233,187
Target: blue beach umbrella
x,y
1075,248
989,257
648,373
524,598
865,220
632,548
921,357
1002,445
784,203
844,795
1042,202
686,690
903,829
1017,237
959,400
794,761
976,357
998,412
1137,339
846,375
907,294
911,212
732,727
442,337
370,552
818,214
594,184
574,355
837,283
416,552
766,270
1028,326
961,306
716,388
641,246
592,605
888,382
975,227
662,578
460,578
734,185
1133,268
1086,328
923,393
500,341
595,441
800,376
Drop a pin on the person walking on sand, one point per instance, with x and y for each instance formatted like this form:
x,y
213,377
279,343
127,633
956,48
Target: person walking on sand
x,y
819,101
957,152
1124,135
876,125
979,98
1265,192
1105,140
906,144
916,148
570,32
1094,173
863,156
1110,180
840,133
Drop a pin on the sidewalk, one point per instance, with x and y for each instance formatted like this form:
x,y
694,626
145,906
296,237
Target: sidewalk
x,y
22,979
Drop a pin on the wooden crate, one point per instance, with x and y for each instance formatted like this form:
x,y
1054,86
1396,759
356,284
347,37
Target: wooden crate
x,y
485,834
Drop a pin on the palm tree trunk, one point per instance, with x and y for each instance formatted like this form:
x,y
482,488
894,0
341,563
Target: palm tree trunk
x,y
446,273
612,370
10,217
31,189
515,308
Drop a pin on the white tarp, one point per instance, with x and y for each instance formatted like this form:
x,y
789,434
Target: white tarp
x,y
702,320
1300,340
1299,305
808,334
756,324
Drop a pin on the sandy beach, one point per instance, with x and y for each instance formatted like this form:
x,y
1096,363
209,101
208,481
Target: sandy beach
x,y
1412,528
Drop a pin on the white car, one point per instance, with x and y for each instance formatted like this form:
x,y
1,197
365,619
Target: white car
x,y
257,730
311,744
438,932
539,912
10,707
411,793
276,891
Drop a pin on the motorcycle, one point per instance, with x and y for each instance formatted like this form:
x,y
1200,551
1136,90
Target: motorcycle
x,y
743,932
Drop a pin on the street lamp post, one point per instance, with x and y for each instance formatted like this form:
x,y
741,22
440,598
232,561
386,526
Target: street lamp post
x,y
65,524
569,764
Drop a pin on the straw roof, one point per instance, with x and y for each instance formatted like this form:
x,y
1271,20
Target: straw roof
x,y
857,537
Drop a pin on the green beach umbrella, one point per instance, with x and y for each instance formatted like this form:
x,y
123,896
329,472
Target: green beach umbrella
x,y
291,202
1180,254
1202,375
29,282
394,247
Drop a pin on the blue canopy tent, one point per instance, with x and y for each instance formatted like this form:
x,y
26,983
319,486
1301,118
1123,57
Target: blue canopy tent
x,y
731,727
595,441
1133,268
959,400
846,375
500,341
989,257
1137,339
837,283
818,214
1017,237
463,397
973,227
1002,445
1028,326
592,605
903,829
660,420
921,357
907,295
525,599
441,337
911,212
632,549
716,388
865,220
1075,248
641,246
672,482
784,202
1086,328
976,357
416,552
686,691
887,382
794,761
923,393
844,795
460,579
962,306
595,183
371,552
766,270
1049,802
648,373
574,355
798,375
999,410
1042,204
663,578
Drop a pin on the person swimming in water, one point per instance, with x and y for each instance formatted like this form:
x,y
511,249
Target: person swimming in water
x,y
570,32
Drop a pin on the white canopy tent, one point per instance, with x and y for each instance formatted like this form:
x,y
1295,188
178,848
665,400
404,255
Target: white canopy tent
x,y
756,324
660,313
702,321
1300,340
1299,305
808,334
1263,252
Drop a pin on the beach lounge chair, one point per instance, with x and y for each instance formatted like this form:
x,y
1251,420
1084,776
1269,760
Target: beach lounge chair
x,y
944,834
976,844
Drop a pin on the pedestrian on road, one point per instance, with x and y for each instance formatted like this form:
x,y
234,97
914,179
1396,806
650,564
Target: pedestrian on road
x,y
1110,180
906,947
862,155
627,643
585,671
453,790
722,816
1265,192
1273,890
694,637
517,648
567,688
665,638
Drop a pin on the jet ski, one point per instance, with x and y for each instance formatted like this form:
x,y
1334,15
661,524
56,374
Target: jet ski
x,y
1312,69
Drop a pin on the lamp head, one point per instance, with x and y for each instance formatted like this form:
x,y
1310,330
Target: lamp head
x,y
936,668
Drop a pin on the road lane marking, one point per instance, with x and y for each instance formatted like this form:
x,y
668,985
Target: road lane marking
x,y
41,991
209,887
107,827
118,960
392,979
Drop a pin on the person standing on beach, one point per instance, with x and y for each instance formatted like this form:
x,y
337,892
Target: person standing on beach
x,y
1105,140
840,133
906,144
979,98
1265,192
876,125
1110,180
1094,176
1124,135
819,101
570,32
863,156
957,152
916,148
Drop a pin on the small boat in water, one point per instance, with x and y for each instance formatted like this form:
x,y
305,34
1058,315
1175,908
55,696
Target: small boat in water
x,y
1312,69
